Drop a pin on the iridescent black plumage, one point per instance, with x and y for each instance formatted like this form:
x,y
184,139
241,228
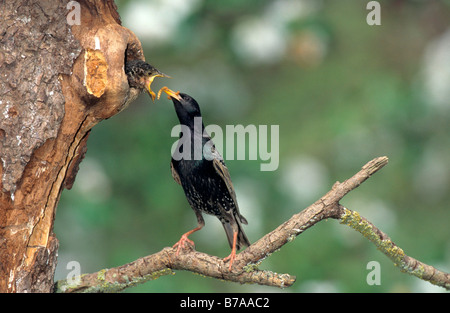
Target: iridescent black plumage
x,y
206,182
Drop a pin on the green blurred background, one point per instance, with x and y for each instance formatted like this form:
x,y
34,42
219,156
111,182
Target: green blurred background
x,y
342,93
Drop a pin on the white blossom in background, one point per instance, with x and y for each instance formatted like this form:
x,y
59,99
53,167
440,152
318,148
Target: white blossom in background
x,y
256,40
432,177
264,39
157,20
304,179
436,69
285,11
92,181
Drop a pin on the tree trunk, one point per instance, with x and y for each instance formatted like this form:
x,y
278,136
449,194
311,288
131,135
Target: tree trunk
x,y
61,66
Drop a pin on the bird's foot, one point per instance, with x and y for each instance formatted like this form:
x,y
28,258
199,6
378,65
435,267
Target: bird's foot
x,y
230,258
180,244
232,255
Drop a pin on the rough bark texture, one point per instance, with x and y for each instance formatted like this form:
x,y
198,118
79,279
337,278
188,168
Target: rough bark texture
x,y
57,81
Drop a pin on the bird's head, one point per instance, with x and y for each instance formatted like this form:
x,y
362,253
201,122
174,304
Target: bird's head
x,y
141,75
185,105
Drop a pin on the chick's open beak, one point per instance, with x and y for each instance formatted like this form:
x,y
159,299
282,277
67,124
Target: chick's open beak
x,y
149,82
170,93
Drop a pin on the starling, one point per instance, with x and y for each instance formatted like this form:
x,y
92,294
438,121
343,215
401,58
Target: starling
x,y
206,182
141,75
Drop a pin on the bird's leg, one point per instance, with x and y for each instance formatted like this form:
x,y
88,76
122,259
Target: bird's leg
x,y
184,237
232,255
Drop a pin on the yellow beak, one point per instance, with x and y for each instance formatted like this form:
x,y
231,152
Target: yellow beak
x,y
170,93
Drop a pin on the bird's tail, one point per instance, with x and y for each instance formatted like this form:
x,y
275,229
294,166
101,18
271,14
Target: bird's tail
x,y
242,240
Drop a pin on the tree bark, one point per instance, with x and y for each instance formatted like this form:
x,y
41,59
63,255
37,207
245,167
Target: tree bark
x,y
59,78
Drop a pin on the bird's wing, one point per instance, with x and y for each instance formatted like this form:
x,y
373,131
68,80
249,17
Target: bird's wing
x,y
223,172
175,175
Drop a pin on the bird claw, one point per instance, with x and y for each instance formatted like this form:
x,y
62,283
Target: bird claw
x,y
230,258
180,244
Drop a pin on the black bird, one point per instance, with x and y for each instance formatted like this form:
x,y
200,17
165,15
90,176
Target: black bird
x,y
141,75
206,182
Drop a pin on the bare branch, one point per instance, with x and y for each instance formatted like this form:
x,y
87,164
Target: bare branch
x,y
245,268
163,263
325,207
